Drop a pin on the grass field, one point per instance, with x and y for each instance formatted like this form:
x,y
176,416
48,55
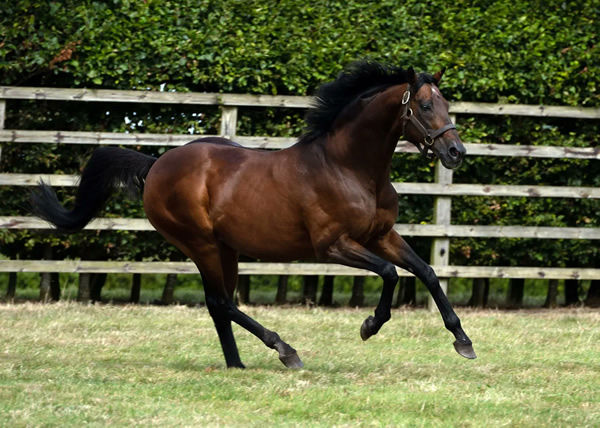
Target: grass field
x,y
70,364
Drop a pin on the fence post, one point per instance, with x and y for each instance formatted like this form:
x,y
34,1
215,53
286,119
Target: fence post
x,y
228,121
228,130
12,276
440,249
282,285
327,291
84,290
2,113
136,286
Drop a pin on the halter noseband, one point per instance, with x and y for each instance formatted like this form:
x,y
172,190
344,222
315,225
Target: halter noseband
x,y
429,135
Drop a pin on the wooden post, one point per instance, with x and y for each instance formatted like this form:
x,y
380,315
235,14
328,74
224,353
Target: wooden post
x,y
84,289
2,118
552,294
12,276
282,284
49,281
571,292
593,295
2,113
228,121
12,286
55,286
516,289
407,291
243,289
440,248
327,291
358,292
479,293
309,290
169,290
96,283
136,286
228,130
442,206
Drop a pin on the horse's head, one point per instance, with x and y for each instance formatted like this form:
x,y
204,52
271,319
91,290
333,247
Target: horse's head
x,y
426,123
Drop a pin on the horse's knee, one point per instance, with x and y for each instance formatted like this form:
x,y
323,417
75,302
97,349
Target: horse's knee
x,y
429,275
389,273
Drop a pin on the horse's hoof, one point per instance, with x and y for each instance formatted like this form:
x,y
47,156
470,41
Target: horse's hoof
x,y
237,365
366,329
291,361
466,350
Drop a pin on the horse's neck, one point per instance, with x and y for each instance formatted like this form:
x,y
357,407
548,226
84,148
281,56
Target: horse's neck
x,y
367,143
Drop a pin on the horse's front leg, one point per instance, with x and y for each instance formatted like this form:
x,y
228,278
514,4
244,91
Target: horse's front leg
x,y
394,248
350,253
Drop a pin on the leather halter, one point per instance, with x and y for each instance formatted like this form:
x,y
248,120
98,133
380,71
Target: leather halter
x,y
429,135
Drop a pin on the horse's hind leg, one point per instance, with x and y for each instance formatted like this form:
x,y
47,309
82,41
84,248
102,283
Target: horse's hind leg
x,y
287,354
222,323
207,259
216,302
229,263
219,272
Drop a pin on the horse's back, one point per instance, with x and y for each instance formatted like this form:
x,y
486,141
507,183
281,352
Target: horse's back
x,y
215,140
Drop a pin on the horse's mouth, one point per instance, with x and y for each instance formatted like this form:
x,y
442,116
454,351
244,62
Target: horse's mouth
x,y
450,163
452,155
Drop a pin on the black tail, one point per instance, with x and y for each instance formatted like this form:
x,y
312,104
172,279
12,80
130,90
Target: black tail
x,y
108,168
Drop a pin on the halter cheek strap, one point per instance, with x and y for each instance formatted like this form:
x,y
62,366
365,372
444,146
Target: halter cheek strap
x,y
429,135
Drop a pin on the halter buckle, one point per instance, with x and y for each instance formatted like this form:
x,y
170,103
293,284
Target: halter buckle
x,y
406,97
428,141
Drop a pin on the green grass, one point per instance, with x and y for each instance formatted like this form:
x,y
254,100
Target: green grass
x,y
71,364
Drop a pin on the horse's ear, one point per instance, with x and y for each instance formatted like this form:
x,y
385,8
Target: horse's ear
x,y
412,76
438,76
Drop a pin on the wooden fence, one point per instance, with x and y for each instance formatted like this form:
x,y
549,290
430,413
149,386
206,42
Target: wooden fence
x,y
442,230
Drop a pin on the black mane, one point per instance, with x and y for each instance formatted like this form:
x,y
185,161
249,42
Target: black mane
x,y
356,79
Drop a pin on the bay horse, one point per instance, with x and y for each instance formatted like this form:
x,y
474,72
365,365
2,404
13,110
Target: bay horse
x,y
328,197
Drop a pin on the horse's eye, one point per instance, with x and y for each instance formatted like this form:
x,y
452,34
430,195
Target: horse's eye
x,y
426,107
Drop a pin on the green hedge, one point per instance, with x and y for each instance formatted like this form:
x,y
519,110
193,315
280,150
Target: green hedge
x,y
496,51
533,52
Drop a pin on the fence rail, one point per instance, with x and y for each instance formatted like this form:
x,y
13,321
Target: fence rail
x,y
406,188
443,189
247,100
434,230
273,143
262,268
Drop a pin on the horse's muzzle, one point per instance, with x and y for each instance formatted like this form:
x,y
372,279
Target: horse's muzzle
x,y
452,154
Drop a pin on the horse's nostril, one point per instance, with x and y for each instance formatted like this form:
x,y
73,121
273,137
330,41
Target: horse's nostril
x,y
452,151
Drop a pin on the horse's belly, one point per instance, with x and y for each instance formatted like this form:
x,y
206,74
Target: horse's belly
x,y
264,238
260,220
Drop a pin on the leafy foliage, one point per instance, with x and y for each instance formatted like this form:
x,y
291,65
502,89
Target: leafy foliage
x,y
496,51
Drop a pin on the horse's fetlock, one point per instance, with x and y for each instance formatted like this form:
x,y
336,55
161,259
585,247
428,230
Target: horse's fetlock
x,y
271,338
383,316
452,322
